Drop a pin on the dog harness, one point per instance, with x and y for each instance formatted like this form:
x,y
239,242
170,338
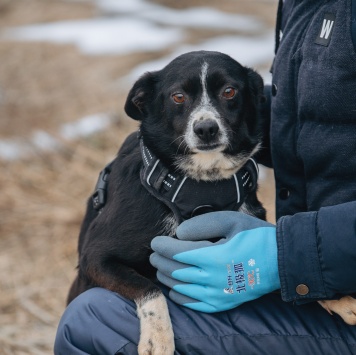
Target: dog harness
x,y
187,197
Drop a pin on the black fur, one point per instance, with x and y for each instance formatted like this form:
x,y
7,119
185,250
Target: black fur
x,y
114,245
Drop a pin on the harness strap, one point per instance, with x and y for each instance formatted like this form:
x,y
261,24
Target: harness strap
x,y
184,196
187,197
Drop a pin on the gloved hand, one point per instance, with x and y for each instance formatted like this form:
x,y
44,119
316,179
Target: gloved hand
x,y
213,276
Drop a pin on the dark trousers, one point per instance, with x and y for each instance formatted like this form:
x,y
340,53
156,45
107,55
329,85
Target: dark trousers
x,y
102,322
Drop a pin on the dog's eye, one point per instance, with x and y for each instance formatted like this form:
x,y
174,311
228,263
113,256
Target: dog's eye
x,y
229,93
178,98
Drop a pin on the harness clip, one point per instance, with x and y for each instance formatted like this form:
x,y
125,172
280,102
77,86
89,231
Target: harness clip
x,y
99,196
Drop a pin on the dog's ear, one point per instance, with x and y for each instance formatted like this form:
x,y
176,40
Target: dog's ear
x,y
256,86
140,96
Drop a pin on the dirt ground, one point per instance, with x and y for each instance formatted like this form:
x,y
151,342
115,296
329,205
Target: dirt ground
x,y
43,197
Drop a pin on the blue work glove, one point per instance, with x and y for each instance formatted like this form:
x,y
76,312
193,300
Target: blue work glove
x,y
213,276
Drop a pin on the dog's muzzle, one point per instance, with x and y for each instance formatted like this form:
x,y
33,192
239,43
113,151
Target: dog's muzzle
x,y
206,130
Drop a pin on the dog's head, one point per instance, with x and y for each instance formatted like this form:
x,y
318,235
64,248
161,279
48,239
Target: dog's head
x,y
199,113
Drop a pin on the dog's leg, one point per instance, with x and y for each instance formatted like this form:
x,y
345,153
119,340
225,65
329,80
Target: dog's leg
x,y
157,336
345,307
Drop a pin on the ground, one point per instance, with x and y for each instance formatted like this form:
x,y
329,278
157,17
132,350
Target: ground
x,y
43,196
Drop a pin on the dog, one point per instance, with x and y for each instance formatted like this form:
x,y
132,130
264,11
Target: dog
x,y
199,128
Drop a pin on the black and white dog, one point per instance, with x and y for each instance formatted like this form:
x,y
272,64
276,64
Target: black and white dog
x,y
199,130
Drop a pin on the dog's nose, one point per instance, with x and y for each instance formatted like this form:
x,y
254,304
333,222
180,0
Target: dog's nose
x,y
206,130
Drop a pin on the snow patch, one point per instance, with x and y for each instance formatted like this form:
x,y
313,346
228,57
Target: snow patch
x,y
85,126
101,36
41,141
247,51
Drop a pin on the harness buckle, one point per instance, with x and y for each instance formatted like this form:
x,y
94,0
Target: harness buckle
x,y
202,210
99,195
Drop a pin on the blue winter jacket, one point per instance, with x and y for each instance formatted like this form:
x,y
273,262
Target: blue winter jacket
x,y
313,148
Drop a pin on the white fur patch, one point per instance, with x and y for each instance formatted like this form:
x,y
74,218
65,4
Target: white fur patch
x,y
170,225
245,209
204,73
210,166
204,111
156,328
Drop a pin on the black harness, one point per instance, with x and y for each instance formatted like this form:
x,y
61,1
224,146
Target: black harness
x,y
184,196
187,197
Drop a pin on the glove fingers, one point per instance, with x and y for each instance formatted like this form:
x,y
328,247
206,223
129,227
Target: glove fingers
x,y
168,266
184,290
190,302
177,271
194,275
221,224
197,292
181,299
206,226
169,247
168,281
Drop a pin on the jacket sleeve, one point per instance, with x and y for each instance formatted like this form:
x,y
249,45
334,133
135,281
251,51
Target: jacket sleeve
x,y
317,252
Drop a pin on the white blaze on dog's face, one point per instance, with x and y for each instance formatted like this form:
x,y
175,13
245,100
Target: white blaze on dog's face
x,y
205,130
199,113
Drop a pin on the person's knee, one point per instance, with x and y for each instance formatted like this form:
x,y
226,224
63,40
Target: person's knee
x,y
94,318
73,324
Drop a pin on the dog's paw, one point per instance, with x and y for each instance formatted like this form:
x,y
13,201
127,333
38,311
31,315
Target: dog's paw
x,y
345,307
156,343
157,336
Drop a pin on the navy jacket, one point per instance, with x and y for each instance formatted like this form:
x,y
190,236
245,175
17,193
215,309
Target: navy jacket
x,y
313,148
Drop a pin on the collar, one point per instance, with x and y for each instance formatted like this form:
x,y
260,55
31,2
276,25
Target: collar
x,y
187,197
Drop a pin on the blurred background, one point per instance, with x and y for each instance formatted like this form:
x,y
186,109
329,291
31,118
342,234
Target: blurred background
x,y
65,69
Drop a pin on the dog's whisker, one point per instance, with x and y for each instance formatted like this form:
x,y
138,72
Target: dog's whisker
x,y
182,142
229,130
180,137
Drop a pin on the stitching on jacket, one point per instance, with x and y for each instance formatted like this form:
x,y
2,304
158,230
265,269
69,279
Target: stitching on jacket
x,y
281,266
257,335
272,334
318,248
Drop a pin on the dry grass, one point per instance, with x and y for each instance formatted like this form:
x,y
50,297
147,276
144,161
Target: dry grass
x,y
42,204
24,12
43,198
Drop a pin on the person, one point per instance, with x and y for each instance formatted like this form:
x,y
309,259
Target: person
x,y
312,252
